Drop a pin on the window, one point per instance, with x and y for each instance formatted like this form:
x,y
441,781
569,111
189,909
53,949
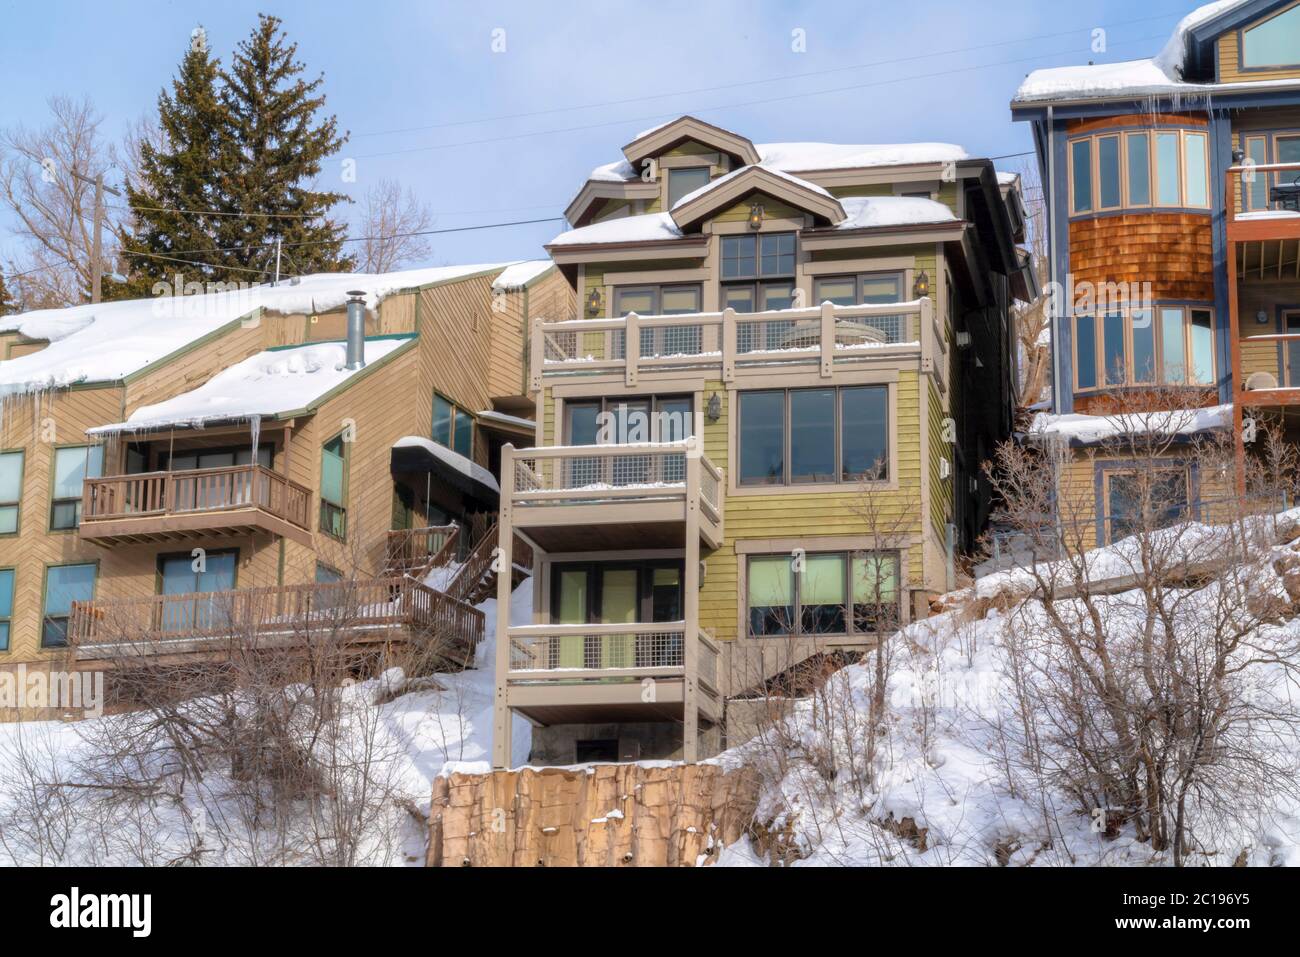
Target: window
x,y
1256,196
1172,346
867,289
625,421
617,593
64,584
1111,171
805,436
1081,176
216,458
453,427
1147,499
333,488
72,466
325,575
1138,166
6,605
762,258
185,575
684,181
11,490
678,300
833,593
1273,43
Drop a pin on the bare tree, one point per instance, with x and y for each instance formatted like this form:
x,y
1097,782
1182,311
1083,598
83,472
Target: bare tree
x,y
55,210
1150,681
390,218
1032,318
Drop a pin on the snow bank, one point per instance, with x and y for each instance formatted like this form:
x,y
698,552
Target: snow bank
x,y
105,342
1090,429
262,386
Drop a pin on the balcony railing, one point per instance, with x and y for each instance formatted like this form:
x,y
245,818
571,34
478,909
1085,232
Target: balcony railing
x,y
729,340
581,475
417,551
1253,210
284,614
142,495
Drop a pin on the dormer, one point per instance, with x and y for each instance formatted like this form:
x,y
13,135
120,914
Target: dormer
x,y
1245,42
754,190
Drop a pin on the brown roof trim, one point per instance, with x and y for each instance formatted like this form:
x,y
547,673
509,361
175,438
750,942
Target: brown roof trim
x,y
822,231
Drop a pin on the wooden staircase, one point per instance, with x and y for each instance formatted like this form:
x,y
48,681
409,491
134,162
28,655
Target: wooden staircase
x,y
476,580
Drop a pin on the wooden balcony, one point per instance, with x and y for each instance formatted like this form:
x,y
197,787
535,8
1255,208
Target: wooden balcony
x,y
613,496
578,674
364,611
1265,221
156,507
725,344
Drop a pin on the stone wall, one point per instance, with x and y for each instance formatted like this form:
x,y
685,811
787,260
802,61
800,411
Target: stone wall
x,y
609,815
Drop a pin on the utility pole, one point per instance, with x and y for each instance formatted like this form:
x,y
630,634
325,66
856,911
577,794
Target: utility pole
x,y
97,247
277,259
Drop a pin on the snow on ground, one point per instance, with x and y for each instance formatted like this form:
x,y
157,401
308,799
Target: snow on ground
x,y
262,386
420,734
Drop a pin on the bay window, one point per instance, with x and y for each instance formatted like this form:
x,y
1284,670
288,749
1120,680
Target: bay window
x,y
1170,345
825,593
813,436
1136,170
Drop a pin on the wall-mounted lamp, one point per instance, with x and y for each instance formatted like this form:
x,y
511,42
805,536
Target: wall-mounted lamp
x,y
594,302
1262,317
1238,157
713,411
921,288
756,216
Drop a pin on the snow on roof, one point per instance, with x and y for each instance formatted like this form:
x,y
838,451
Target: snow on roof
x,y
867,212
454,459
1158,75
805,157
625,229
1008,179
262,386
494,416
714,184
1089,429
521,274
107,341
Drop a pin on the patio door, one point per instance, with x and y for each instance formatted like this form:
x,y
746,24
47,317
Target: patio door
x,y
178,575
614,594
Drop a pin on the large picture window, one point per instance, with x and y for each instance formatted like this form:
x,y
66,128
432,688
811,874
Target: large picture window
x,y
1273,43
1114,171
831,593
619,420
814,436
72,466
1167,345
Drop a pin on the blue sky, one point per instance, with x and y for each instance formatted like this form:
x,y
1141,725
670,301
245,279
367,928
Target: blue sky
x,y
430,104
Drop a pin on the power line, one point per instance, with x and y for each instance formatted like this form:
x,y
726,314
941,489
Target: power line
x,y
755,82
729,106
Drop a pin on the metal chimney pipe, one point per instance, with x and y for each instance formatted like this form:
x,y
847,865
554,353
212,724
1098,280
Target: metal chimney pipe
x,y
356,358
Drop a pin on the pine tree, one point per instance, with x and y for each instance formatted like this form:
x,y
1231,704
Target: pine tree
x,y
280,149
6,303
179,180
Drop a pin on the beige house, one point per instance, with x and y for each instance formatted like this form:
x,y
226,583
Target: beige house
x,y
758,440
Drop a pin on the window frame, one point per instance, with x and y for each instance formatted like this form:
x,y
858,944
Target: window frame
x,y
1123,137
669,202
54,472
326,528
1109,472
7,621
787,481
16,504
1159,380
1241,44
848,556
758,275
45,596
453,425
606,403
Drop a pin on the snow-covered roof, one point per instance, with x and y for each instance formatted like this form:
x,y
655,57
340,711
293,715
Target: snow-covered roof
x,y
868,212
807,157
108,341
262,386
712,185
454,459
521,274
1090,429
626,229
1155,76
511,420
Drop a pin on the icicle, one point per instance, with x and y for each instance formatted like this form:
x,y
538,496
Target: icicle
x,y
255,430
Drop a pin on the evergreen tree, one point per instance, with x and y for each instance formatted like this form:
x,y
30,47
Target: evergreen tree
x,y
6,304
280,147
179,179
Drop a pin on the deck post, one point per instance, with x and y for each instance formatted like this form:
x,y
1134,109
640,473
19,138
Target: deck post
x,y
691,595
827,338
501,743
1235,385
728,346
536,357
631,347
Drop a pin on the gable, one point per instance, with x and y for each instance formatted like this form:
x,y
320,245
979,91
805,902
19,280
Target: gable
x,y
1266,48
